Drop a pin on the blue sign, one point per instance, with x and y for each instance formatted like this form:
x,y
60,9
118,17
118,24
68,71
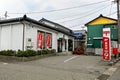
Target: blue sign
x,y
78,35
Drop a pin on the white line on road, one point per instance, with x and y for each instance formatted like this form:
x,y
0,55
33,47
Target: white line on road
x,y
5,63
70,59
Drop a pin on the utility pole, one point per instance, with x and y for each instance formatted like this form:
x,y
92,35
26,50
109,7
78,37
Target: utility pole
x,y
118,17
118,23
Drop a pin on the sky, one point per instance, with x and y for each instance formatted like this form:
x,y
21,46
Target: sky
x,y
78,12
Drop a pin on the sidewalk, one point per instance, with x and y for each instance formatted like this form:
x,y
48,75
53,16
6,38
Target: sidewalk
x,y
111,73
116,74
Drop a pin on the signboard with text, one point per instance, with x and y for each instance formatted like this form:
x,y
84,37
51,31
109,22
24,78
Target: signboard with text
x,y
48,44
40,40
106,44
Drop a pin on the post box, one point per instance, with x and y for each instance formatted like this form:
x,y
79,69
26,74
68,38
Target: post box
x,y
115,50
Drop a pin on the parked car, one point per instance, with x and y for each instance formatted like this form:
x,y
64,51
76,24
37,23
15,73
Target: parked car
x,y
78,51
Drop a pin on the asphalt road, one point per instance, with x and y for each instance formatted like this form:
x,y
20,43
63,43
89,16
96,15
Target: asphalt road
x,y
69,67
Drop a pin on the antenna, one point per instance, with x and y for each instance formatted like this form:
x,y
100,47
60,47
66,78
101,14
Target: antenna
x,y
6,15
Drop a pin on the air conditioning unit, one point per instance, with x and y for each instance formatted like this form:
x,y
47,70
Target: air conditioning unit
x,y
29,43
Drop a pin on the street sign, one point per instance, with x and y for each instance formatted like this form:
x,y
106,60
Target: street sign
x,y
106,44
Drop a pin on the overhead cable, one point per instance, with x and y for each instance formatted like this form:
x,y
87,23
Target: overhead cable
x,y
63,8
91,13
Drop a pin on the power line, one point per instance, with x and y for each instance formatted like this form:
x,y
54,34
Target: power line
x,y
113,13
64,8
110,8
76,25
75,15
84,23
85,15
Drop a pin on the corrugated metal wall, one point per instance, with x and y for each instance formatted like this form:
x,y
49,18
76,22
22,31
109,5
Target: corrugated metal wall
x,y
94,31
94,35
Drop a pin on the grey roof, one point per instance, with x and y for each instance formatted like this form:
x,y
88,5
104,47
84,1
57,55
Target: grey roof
x,y
43,19
25,18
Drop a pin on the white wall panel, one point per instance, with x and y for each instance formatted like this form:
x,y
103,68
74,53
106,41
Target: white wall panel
x,y
5,37
17,36
11,37
31,32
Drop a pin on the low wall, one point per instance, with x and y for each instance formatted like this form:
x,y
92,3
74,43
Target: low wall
x,y
98,51
90,51
19,59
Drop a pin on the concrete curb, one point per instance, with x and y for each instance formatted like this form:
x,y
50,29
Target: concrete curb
x,y
23,59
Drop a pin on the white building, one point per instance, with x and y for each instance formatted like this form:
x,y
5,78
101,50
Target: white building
x,y
25,33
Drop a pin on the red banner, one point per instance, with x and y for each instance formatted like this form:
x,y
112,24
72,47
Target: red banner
x,y
48,44
40,40
106,48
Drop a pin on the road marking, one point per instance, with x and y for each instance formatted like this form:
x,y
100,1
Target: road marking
x,y
5,63
70,59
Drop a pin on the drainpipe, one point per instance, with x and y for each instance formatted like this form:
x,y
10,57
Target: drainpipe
x,y
23,36
23,39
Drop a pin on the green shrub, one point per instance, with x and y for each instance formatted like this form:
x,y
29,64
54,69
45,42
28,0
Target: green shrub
x,y
2,52
39,52
20,53
53,51
43,52
30,53
8,53
49,51
26,53
46,51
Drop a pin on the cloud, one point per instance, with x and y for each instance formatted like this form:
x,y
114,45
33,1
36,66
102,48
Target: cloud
x,y
24,6
14,5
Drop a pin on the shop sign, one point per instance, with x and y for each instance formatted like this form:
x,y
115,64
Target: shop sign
x,y
40,40
48,44
106,44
